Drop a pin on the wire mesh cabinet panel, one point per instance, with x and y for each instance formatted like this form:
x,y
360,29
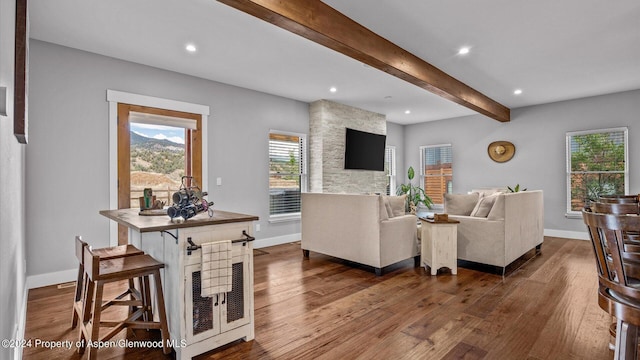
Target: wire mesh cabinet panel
x,y
207,317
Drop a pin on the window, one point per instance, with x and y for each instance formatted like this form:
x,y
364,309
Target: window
x,y
596,165
436,171
287,174
390,169
155,147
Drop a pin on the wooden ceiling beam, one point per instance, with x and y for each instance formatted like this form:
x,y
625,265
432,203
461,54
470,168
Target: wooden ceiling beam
x,y
320,23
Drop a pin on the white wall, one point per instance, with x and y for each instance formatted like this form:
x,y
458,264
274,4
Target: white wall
x,y
12,208
538,132
68,154
395,137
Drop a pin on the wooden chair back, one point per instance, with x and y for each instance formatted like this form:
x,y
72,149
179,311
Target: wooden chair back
x,y
607,237
618,291
615,208
91,263
80,245
619,199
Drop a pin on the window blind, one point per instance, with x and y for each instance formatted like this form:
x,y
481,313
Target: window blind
x,y
287,168
437,171
596,165
390,168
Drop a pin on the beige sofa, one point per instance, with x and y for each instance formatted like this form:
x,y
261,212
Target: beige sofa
x,y
499,231
358,228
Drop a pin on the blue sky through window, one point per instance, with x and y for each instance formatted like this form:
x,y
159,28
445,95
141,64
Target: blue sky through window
x,y
174,134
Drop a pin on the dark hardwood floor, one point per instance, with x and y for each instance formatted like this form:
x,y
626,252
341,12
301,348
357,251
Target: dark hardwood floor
x,y
322,308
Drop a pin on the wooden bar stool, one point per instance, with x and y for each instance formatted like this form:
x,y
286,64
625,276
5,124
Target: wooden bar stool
x,y
100,272
104,254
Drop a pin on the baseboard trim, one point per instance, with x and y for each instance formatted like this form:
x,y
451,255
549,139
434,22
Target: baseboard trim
x,y
278,240
578,235
58,277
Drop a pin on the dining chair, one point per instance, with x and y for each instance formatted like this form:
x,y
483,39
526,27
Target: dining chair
x,y
619,288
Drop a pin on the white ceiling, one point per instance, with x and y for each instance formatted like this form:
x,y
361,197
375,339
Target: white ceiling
x,y
553,50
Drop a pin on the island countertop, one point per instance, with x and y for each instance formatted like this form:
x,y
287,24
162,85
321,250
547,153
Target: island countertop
x,y
131,219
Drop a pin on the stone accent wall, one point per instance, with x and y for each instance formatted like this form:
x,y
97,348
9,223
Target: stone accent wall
x,y
327,130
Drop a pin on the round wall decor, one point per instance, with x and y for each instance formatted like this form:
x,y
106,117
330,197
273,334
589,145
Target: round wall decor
x,y
501,151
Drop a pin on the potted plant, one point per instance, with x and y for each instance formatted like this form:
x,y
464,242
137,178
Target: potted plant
x,y
515,189
415,194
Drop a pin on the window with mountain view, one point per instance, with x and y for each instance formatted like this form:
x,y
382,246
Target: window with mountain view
x,y
596,165
157,160
287,174
437,171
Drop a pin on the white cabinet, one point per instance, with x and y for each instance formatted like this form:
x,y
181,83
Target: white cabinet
x,y
197,324
439,246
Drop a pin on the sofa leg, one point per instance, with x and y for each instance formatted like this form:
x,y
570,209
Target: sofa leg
x,y
378,271
305,253
538,248
416,261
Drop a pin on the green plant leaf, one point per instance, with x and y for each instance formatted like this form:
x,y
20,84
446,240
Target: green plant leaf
x,y
411,173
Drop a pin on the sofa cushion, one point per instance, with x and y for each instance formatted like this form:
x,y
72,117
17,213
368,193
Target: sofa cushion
x,y
484,205
460,204
384,215
397,204
489,191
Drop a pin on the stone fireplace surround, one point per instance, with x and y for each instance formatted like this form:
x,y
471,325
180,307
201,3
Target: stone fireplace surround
x,y
327,128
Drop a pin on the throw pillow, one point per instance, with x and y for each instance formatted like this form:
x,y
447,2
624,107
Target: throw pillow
x,y
387,206
397,204
383,209
484,206
460,204
489,191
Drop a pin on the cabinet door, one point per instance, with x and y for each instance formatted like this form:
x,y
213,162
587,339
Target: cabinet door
x,y
209,316
235,312
202,316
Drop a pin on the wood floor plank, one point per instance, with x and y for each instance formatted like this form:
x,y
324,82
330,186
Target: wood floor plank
x,y
325,308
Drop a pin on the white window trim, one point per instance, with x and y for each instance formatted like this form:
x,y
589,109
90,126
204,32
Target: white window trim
x,y
423,174
114,97
576,214
304,177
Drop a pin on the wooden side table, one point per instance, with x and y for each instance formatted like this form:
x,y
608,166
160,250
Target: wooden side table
x,y
439,245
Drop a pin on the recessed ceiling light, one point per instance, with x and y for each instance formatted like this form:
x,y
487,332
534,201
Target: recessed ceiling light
x,y
333,89
464,50
190,48
517,91
407,112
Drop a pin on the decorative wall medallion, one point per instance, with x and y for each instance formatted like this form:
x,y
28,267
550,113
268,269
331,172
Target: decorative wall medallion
x,y
501,151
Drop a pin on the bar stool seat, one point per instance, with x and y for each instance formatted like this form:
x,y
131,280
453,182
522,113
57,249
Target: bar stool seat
x,y
100,272
104,254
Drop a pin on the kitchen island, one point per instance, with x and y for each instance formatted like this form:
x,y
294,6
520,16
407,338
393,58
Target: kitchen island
x,y
198,324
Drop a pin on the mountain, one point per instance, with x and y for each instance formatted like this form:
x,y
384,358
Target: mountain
x,y
143,142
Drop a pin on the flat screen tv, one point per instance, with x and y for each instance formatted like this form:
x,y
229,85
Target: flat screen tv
x,y
364,150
